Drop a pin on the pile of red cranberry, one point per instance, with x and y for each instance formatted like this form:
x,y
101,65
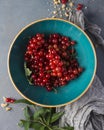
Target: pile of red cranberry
x,y
52,60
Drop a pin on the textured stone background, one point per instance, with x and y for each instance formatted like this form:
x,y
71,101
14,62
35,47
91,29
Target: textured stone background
x,y
14,15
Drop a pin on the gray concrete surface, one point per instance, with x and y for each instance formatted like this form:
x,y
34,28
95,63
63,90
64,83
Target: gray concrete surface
x,y
14,15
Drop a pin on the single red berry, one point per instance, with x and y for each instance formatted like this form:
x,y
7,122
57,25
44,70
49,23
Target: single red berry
x,y
55,46
64,1
80,69
72,76
72,42
56,35
67,78
41,74
42,84
67,44
66,39
62,42
49,88
63,83
64,54
54,40
45,80
39,38
59,74
79,6
75,71
47,76
64,47
7,99
38,35
12,101
34,41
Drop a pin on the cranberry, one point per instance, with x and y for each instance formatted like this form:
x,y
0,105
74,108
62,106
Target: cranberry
x,y
64,47
12,101
79,7
64,54
58,69
55,46
47,76
63,42
72,42
33,76
80,69
41,74
42,84
39,38
75,71
54,40
72,76
49,88
63,83
59,74
64,1
67,78
39,35
51,61
66,39
34,40
9,100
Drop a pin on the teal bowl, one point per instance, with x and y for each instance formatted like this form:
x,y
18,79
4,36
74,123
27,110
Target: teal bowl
x,y
70,92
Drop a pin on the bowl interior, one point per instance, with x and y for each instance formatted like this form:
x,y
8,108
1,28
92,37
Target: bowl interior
x,y
71,91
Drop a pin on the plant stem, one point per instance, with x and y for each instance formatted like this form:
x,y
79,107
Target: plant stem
x,y
45,123
49,128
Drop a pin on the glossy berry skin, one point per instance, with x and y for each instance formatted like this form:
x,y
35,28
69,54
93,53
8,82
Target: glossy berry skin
x,y
12,101
64,1
51,61
9,100
79,6
49,89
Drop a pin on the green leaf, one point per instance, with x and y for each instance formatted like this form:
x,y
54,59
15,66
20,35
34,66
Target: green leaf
x,y
54,127
27,70
42,128
31,124
24,124
56,116
20,124
27,113
30,80
41,112
63,128
68,128
47,115
23,101
57,128
36,125
28,73
38,113
48,118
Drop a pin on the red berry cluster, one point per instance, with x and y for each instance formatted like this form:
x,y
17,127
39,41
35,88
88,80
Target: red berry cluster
x,y
51,60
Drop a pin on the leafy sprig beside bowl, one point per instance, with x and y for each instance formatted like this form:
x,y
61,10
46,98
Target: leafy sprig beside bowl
x,y
41,118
